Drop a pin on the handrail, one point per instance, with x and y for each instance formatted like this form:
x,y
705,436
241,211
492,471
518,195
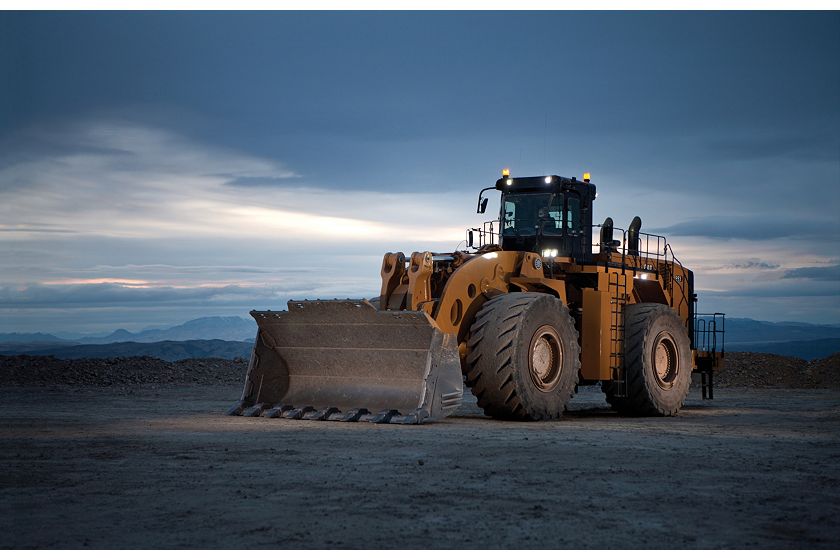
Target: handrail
x,y
685,280
653,250
707,327
487,235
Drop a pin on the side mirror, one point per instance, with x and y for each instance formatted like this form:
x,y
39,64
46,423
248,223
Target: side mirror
x,y
483,206
470,238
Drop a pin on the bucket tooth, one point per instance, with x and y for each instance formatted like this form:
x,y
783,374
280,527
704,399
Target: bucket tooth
x,y
321,414
256,410
416,417
277,411
384,417
236,410
351,415
298,413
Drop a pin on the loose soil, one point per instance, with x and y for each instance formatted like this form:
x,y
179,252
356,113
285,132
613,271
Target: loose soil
x,y
137,453
160,466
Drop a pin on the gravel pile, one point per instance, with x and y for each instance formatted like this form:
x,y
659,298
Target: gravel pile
x,y
741,369
43,371
751,369
824,373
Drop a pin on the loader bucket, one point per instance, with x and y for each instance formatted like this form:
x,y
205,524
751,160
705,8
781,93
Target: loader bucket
x,y
345,360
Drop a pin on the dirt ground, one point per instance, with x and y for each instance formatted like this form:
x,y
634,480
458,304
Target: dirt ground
x,y
150,466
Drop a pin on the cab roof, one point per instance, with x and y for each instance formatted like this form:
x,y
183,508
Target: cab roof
x,y
543,184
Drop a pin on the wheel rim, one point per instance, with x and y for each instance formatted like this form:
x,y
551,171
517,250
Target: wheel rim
x,y
545,358
665,360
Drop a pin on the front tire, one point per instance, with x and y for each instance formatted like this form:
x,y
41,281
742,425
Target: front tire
x,y
523,357
657,362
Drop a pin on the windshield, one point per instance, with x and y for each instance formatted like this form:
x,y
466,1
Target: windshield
x,y
523,213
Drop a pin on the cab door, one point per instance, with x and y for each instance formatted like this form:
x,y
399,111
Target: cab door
x,y
573,238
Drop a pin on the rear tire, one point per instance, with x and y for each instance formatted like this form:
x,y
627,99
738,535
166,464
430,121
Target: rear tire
x,y
523,357
657,362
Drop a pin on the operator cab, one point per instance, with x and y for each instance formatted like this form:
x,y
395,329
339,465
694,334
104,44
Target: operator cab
x,y
549,215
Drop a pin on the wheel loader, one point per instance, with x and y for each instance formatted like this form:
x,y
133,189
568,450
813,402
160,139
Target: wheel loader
x,y
543,300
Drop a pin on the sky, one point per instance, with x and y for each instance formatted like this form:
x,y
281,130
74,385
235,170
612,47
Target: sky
x,y
158,167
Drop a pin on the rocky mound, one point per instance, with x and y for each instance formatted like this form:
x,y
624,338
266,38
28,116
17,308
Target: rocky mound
x,y
825,372
741,369
46,370
751,369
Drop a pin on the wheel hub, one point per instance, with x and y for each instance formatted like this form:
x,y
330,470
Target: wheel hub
x,y
665,360
545,359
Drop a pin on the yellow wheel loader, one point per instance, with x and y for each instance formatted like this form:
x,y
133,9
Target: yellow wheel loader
x,y
538,305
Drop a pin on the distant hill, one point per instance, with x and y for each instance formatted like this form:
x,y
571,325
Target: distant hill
x,y
7,348
749,330
17,338
210,336
204,328
169,350
800,340
805,349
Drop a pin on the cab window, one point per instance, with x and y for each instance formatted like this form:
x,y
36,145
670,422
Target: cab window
x,y
573,214
510,214
524,213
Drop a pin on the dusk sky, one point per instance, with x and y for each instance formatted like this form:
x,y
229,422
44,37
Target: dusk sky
x,y
159,167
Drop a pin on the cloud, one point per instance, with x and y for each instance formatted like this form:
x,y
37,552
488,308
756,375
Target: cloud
x,y
754,228
107,215
203,271
110,294
114,218
259,181
119,292
754,265
813,147
34,228
778,289
743,267
121,179
823,273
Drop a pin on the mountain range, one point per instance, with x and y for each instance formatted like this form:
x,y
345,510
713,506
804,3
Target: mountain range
x,y
169,350
203,328
230,337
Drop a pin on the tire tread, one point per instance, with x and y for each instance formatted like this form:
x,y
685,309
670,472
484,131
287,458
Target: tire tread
x,y
491,340
639,399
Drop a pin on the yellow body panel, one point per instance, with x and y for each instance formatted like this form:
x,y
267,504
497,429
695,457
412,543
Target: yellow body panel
x,y
595,335
452,289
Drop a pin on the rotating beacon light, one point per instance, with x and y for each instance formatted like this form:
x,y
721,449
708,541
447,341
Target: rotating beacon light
x,y
506,176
